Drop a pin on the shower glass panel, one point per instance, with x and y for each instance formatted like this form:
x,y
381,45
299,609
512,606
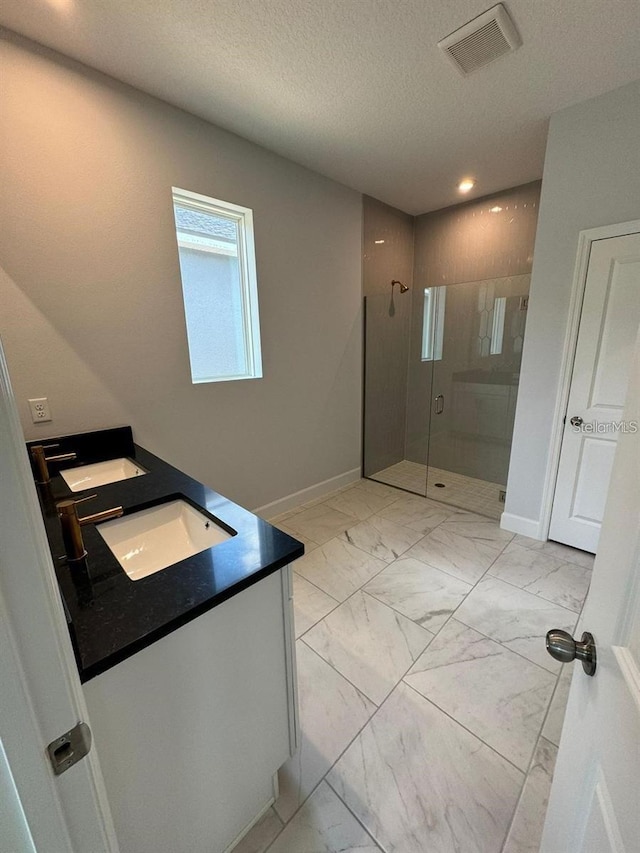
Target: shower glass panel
x,y
387,360
474,388
442,365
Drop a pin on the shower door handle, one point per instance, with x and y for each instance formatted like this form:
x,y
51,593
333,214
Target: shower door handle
x,y
439,401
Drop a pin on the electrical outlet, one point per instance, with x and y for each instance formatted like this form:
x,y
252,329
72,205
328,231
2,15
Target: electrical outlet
x,y
40,412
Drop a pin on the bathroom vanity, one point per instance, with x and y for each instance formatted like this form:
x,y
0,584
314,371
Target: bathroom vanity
x,y
188,670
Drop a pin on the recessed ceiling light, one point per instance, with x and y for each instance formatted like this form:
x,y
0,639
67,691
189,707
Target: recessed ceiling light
x,y
466,184
495,209
378,241
61,5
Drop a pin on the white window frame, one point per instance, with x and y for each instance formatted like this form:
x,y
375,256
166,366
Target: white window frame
x,y
433,323
246,253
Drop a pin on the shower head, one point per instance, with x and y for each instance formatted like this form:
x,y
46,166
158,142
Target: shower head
x,y
403,287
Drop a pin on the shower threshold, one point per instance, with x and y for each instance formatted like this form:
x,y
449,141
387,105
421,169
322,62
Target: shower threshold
x,y
459,490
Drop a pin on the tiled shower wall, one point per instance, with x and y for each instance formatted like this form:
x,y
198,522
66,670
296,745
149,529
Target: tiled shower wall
x,y
465,243
387,255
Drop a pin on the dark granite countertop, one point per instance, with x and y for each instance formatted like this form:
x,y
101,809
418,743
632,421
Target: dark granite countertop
x,y
112,617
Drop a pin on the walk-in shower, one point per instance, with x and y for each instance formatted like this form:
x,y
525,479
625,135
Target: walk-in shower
x,y
441,379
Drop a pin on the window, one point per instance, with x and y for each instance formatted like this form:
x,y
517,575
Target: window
x,y
219,287
433,323
497,326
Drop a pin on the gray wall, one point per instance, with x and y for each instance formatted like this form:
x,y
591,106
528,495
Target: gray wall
x,y
92,315
387,331
463,243
591,178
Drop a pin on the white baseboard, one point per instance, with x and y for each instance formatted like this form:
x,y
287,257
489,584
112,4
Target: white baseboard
x,y
531,527
289,502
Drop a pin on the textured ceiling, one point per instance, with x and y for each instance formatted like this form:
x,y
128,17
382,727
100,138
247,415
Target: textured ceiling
x,y
356,89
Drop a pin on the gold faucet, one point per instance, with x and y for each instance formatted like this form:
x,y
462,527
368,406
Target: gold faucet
x,y
72,524
40,461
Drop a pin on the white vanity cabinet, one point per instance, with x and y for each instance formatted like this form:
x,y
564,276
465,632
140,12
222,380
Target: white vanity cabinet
x,y
484,409
191,730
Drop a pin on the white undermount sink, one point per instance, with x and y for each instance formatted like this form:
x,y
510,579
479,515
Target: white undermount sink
x,y
100,473
153,539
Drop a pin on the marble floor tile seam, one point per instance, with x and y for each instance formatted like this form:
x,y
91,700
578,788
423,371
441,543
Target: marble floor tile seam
x,y
364,726
453,615
327,498
366,582
475,734
368,831
346,678
376,511
348,745
472,586
451,575
368,553
548,731
548,711
435,634
537,594
539,545
521,794
445,508
368,722
438,568
293,566
415,621
472,733
501,643
296,510
324,779
338,603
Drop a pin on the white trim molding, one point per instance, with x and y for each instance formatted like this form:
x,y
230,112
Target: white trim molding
x,y
319,490
531,527
40,694
585,240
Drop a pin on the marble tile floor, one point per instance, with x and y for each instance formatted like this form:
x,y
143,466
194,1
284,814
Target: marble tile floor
x,y
459,490
430,712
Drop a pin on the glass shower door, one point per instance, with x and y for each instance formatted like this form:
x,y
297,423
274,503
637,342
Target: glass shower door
x,y
397,395
472,335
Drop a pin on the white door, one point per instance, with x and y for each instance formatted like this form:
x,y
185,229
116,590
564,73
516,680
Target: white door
x,y
40,692
608,324
595,798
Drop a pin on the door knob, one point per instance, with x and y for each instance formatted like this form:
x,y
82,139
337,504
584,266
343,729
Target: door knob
x,y
564,648
576,421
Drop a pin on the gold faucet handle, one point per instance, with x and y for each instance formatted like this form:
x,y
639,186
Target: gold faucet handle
x,y
60,457
85,498
40,460
104,515
67,507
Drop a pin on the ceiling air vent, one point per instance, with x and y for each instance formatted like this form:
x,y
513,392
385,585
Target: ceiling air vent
x,y
482,40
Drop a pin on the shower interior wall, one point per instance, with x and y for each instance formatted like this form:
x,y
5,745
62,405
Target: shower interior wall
x,y
483,239
387,254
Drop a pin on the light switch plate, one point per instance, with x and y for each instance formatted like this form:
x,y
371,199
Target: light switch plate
x,y
40,412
